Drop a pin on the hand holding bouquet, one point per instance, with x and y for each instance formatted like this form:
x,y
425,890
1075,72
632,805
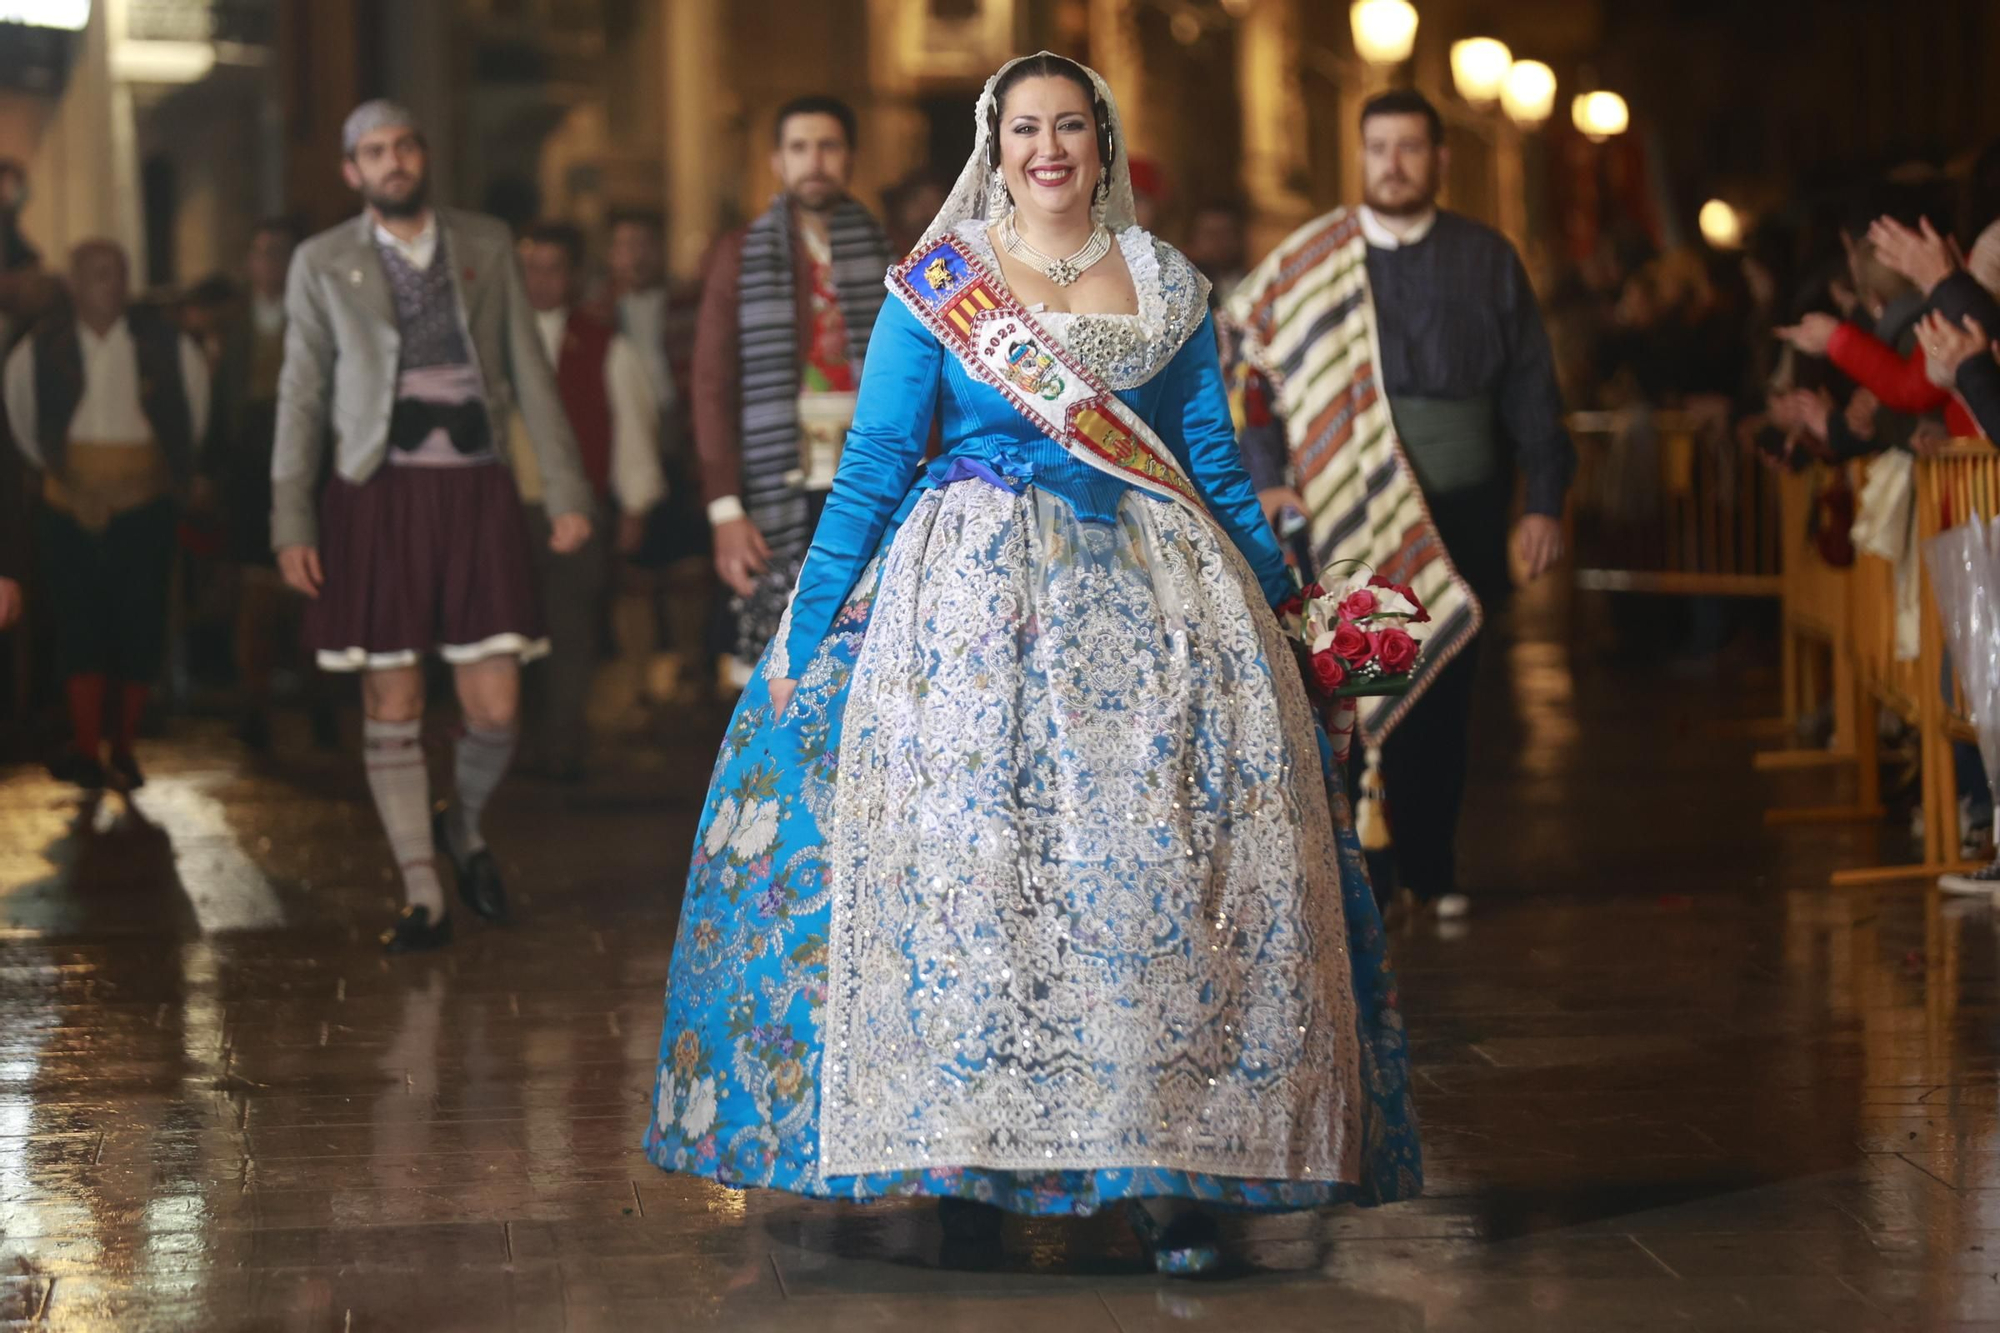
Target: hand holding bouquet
x,y
1361,639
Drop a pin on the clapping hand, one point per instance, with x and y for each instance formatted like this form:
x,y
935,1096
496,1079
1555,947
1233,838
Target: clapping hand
x,y
1812,335
1922,256
1948,346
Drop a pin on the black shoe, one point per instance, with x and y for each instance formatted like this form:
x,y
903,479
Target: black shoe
x,y
1189,1246
78,769
125,769
478,875
414,933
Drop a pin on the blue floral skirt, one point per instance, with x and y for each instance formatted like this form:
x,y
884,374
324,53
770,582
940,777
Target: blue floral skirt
x,y
744,1073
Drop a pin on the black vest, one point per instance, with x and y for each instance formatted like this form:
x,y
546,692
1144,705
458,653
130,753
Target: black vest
x,y
162,393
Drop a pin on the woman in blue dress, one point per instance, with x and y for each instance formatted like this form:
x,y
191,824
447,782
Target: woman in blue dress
x,y
1026,880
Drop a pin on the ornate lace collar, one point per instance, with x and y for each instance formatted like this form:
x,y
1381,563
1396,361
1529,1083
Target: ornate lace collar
x,y
1125,351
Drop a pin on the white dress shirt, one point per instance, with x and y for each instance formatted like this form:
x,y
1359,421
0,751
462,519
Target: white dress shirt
x,y
109,411
642,317
1380,235
636,479
417,253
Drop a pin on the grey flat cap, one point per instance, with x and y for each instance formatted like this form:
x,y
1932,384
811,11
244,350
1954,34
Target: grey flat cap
x,y
380,114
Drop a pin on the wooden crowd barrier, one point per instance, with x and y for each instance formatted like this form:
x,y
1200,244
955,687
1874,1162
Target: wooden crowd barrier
x,y
1960,482
1667,503
1815,666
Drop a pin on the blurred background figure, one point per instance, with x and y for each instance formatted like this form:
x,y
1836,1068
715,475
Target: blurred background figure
x,y
666,600
908,207
1152,193
16,253
110,404
1219,245
250,351
785,318
607,392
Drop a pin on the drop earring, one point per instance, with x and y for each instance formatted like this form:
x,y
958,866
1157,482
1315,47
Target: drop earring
x,y
999,201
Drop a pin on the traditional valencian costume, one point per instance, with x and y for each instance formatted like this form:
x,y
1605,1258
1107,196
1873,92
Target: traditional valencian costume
x,y
1043,891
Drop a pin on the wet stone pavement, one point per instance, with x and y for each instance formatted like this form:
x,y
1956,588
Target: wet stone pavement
x,y
1669,1079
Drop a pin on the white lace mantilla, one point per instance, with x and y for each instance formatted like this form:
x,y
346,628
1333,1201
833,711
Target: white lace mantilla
x,y
1086,894
1125,351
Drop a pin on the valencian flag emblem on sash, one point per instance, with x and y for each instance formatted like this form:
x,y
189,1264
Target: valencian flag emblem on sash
x,y
1000,343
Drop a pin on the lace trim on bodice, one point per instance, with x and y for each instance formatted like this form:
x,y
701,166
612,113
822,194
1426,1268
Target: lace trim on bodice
x,y
1125,351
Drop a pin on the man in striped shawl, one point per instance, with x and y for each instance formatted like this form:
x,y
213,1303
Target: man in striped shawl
x,y
785,317
1395,377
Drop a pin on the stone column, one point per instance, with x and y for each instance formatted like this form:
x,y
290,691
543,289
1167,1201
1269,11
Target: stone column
x,y
84,171
699,104
1274,126
1116,54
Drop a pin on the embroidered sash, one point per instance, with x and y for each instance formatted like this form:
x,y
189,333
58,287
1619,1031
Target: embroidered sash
x,y
974,315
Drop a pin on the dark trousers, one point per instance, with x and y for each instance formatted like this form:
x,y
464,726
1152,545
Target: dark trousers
x,y
1424,767
573,589
109,590
1425,759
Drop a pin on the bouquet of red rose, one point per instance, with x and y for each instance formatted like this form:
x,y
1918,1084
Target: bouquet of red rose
x,y
1361,639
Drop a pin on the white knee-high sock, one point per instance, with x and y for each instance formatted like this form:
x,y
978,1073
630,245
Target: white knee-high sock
x,y
394,754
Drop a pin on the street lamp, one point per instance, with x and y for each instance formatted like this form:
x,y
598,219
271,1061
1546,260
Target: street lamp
x,y
1600,115
1385,31
1479,68
1721,226
1528,93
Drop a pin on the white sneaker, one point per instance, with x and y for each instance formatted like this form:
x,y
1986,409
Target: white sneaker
x,y
1453,906
1985,880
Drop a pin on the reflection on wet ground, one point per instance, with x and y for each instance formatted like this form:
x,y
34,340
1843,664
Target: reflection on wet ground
x,y
1668,1078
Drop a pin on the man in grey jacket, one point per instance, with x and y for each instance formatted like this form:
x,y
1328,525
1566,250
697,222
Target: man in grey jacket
x,y
409,340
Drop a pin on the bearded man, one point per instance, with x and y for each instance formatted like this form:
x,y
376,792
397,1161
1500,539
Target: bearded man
x,y
1395,380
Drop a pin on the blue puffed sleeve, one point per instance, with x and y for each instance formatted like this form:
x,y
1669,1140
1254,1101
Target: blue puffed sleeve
x,y
1192,418
878,465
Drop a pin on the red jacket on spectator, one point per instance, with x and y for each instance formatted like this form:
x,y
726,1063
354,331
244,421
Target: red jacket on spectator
x,y
1899,383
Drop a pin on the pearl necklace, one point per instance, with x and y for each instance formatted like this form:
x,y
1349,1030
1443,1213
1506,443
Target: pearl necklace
x,y
1062,272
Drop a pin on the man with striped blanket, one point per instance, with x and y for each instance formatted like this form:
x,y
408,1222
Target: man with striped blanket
x,y
785,317
1395,376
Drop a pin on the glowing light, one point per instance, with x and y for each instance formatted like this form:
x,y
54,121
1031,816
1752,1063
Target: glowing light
x,y
1385,31
1721,225
162,62
72,15
1600,115
1528,93
1479,67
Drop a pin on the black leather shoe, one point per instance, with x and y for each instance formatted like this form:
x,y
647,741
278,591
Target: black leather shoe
x,y
414,933
78,769
478,875
125,768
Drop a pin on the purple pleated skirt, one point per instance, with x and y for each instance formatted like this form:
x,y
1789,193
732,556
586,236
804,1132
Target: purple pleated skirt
x,y
421,560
